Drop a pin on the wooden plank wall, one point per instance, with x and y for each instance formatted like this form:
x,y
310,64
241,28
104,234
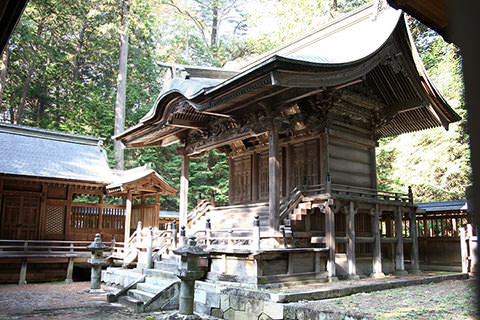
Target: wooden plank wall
x,y
351,159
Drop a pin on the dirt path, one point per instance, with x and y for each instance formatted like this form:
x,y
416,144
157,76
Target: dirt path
x,y
59,302
452,299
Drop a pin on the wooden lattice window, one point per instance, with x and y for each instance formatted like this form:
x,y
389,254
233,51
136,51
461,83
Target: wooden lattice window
x,y
55,220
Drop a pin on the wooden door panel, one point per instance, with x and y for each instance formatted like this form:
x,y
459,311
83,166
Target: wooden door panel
x,y
20,217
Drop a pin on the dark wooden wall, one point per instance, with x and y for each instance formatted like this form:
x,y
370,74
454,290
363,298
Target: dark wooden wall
x,y
36,210
348,156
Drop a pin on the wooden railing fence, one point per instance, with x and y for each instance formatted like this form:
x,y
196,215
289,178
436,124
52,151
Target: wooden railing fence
x,y
97,216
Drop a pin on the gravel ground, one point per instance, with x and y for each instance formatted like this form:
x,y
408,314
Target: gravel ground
x,y
453,299
58,302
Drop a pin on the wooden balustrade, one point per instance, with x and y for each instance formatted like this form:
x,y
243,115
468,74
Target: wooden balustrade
x,y
87,216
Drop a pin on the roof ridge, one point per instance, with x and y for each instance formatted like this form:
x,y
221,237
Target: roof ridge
x,y
49,134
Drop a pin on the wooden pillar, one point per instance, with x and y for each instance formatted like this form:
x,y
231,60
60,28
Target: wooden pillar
x,y
156,218
43,211
351,263
324,157
184,191
273,178
100,214
399,258
255,177
330,239
23,273
69,276
128,219
414,258
68,214
377,246
289,166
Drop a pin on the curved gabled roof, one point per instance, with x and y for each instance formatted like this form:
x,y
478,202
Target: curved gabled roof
x,y
366,45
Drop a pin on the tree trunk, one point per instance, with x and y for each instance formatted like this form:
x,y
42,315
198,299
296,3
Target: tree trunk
x,y
3,74
23,98
78,50
213,37
121,88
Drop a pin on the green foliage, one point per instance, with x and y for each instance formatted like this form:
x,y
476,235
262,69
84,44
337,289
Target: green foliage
x,y
435,162
72,52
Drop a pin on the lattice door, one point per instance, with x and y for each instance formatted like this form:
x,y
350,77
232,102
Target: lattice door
x,y
55,221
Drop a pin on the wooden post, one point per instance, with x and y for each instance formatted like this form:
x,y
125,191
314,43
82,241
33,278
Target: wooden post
x,y
472,247
256,234
415,263
128,219
289,166
351,263
399,259
23,273
184,191
330,240
157,210
324,157
208,233
69,276
43,211
377,246
255,177
273,178
100,214
463,249
68,213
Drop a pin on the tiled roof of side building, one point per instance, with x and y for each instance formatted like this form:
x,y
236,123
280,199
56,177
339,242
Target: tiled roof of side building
x,y
443,206
48,154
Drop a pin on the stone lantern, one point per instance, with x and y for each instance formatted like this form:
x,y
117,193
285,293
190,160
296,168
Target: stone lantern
x,y
188,271
97,261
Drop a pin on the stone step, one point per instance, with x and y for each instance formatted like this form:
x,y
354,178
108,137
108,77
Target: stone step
x,y
152,288
170,265
133,303
161,275
140,295
119,276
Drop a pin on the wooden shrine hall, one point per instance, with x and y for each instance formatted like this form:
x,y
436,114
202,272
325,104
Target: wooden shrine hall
x,y
53,186
57,191
299,125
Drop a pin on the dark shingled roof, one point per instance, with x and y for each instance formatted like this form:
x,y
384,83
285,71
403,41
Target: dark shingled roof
x,y
443,206
43,153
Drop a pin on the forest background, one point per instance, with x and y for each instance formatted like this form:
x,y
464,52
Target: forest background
x,y
60,71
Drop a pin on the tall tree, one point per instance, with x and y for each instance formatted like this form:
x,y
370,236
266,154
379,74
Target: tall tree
x,y
121,86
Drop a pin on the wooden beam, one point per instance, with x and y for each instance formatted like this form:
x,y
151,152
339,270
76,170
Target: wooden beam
x,y
190,124
128,219
274,178
184,191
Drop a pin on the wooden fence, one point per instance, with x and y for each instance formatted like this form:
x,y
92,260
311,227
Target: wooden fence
x,y
439,239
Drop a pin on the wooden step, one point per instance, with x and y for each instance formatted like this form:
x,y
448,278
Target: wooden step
x,y
305,205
